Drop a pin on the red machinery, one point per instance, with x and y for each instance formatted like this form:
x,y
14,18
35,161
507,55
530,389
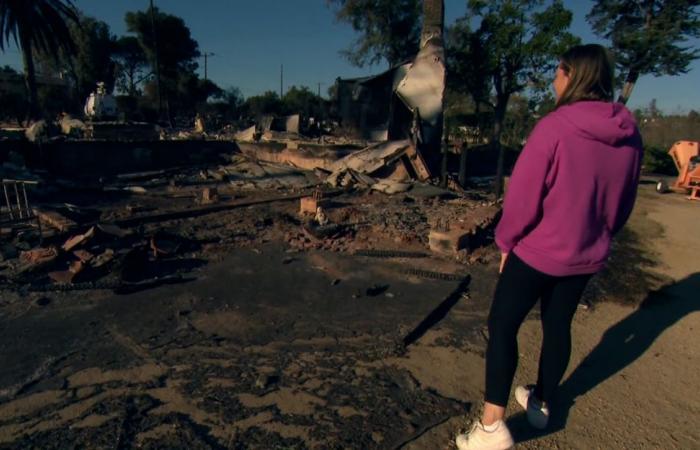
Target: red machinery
x,y
686,156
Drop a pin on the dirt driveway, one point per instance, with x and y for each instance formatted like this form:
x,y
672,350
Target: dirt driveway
x,y
633,379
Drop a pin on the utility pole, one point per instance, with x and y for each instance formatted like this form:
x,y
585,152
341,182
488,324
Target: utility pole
x,y
281,80
206,56
320,101
157,62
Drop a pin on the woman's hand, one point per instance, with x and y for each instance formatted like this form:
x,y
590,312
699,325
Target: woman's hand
x,y
504,256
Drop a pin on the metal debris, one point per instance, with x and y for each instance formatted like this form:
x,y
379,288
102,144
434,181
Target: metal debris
x,y
390,254
434,275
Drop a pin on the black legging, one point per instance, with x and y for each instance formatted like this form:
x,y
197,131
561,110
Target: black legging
x,y
518,289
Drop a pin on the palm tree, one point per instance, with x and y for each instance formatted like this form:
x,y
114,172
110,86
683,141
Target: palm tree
x,y
36,25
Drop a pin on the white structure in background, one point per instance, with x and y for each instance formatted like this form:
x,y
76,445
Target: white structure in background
x,y
100,104
422,90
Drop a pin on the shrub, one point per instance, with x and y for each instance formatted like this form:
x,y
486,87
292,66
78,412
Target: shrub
x,y
657,160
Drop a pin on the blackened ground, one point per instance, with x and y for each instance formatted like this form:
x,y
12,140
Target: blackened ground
x,y
265,349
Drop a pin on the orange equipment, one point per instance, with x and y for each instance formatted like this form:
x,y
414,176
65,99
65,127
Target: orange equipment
x,y
686,156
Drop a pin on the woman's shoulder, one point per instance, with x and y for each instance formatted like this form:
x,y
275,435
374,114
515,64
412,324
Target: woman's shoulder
x,y
545,135
559,114
550,125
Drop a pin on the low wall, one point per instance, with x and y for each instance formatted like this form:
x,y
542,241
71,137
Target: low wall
x,y
86,158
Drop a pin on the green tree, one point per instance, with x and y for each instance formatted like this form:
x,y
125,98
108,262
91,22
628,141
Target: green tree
x,y
468,63
303,101
227,104
36,25
520,119
193,92
91,61
652,111
177,51
131,65
390,29
647,36
12,96
515,44
259,105
233,98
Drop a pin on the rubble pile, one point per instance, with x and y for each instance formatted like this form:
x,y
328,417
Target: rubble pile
x,y
242,202
103,256
117,214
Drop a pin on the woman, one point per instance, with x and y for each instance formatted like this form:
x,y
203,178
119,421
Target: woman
x,y
572,189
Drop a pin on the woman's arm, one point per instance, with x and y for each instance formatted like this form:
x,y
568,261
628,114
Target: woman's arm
x,y
522,207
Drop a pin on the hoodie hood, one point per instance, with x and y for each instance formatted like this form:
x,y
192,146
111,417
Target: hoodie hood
x,y
607,122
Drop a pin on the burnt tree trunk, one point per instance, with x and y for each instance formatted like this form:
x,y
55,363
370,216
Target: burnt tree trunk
x,y
630,81
499,117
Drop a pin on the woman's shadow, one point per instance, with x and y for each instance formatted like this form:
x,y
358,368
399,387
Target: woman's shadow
x,y
619,347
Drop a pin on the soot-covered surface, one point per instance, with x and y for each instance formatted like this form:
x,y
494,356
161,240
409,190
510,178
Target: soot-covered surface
x,y
265,349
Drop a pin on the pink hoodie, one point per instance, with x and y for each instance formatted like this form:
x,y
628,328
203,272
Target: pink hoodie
x,y
572,189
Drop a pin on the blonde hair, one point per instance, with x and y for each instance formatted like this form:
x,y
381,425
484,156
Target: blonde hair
x,y
591,74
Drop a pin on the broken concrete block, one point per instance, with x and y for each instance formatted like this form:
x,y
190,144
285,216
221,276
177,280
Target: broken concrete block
x,y
102,259
209,195
38,131
37,258
390,187
247,135
55,220
72,127
448,241
78,240
39,255
83,255
309,205
67,276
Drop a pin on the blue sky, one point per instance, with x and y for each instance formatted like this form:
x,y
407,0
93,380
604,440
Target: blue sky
x,y
252,41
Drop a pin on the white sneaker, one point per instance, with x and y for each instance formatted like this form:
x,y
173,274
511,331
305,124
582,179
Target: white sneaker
x,y
480,439
537,412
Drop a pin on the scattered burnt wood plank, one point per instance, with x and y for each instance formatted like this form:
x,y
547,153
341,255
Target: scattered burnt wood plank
x,y
56,220
204,210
